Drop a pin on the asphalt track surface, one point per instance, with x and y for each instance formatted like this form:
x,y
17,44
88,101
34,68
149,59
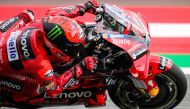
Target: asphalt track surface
x,y
185,104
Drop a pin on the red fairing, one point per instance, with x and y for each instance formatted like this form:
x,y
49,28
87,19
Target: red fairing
x,y
135,50
128,44
159,64
134,45
140,67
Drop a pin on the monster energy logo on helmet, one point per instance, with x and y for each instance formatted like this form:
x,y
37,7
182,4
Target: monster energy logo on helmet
x,y
54,33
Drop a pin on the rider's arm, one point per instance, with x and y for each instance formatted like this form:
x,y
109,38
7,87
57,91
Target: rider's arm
x,y
18,21
74,11
54,85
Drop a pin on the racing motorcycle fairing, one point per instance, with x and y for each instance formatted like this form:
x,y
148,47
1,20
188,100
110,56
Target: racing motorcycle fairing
x,y
135,43
136,48
159,64
140,67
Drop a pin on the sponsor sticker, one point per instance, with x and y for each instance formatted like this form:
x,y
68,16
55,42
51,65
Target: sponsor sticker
x,y
11,84
121,41
139,53
11,46
163,63
150,83
72,95
134,48
105,36
68,9
117,39
54,33
7,24
1,50
113,36
25,46
69,83
117,36
49,73
50,85
20,77
12,51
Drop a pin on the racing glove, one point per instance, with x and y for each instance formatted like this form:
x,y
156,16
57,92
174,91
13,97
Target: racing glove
x,y
91,6
90,62
57,85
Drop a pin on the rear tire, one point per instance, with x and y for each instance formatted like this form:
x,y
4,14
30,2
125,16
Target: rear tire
x,y
173,85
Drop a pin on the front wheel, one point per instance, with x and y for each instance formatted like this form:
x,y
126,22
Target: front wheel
x,y
173,87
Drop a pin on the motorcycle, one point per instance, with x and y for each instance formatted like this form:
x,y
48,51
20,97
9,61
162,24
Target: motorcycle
x,y
133,77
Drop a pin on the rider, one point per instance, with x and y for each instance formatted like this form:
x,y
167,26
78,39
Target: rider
x,y
28,48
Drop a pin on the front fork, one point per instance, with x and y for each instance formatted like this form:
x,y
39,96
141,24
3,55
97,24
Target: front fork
x,y
157,65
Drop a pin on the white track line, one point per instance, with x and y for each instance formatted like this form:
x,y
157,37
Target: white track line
x,y
167,29
186,70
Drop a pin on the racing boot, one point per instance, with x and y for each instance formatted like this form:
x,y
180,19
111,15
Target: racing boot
x,y
98,100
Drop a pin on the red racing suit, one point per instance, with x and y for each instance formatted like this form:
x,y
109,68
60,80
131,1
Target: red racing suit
x,y
25,65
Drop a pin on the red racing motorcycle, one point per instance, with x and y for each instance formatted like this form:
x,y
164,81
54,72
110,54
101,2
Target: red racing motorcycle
x,y
133,77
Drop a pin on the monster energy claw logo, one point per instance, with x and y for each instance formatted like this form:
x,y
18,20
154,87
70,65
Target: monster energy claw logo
x,y
54,33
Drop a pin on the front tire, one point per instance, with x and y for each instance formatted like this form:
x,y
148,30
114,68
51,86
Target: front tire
x,y
173,87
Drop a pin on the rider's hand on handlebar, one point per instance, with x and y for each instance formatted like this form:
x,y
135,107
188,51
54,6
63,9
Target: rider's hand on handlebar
x,y
91,6
99,10
90,62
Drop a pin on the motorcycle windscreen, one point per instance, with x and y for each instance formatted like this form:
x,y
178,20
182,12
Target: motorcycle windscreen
x,y
124,17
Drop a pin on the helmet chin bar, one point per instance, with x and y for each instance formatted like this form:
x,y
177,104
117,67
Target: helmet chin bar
x,y
56,52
